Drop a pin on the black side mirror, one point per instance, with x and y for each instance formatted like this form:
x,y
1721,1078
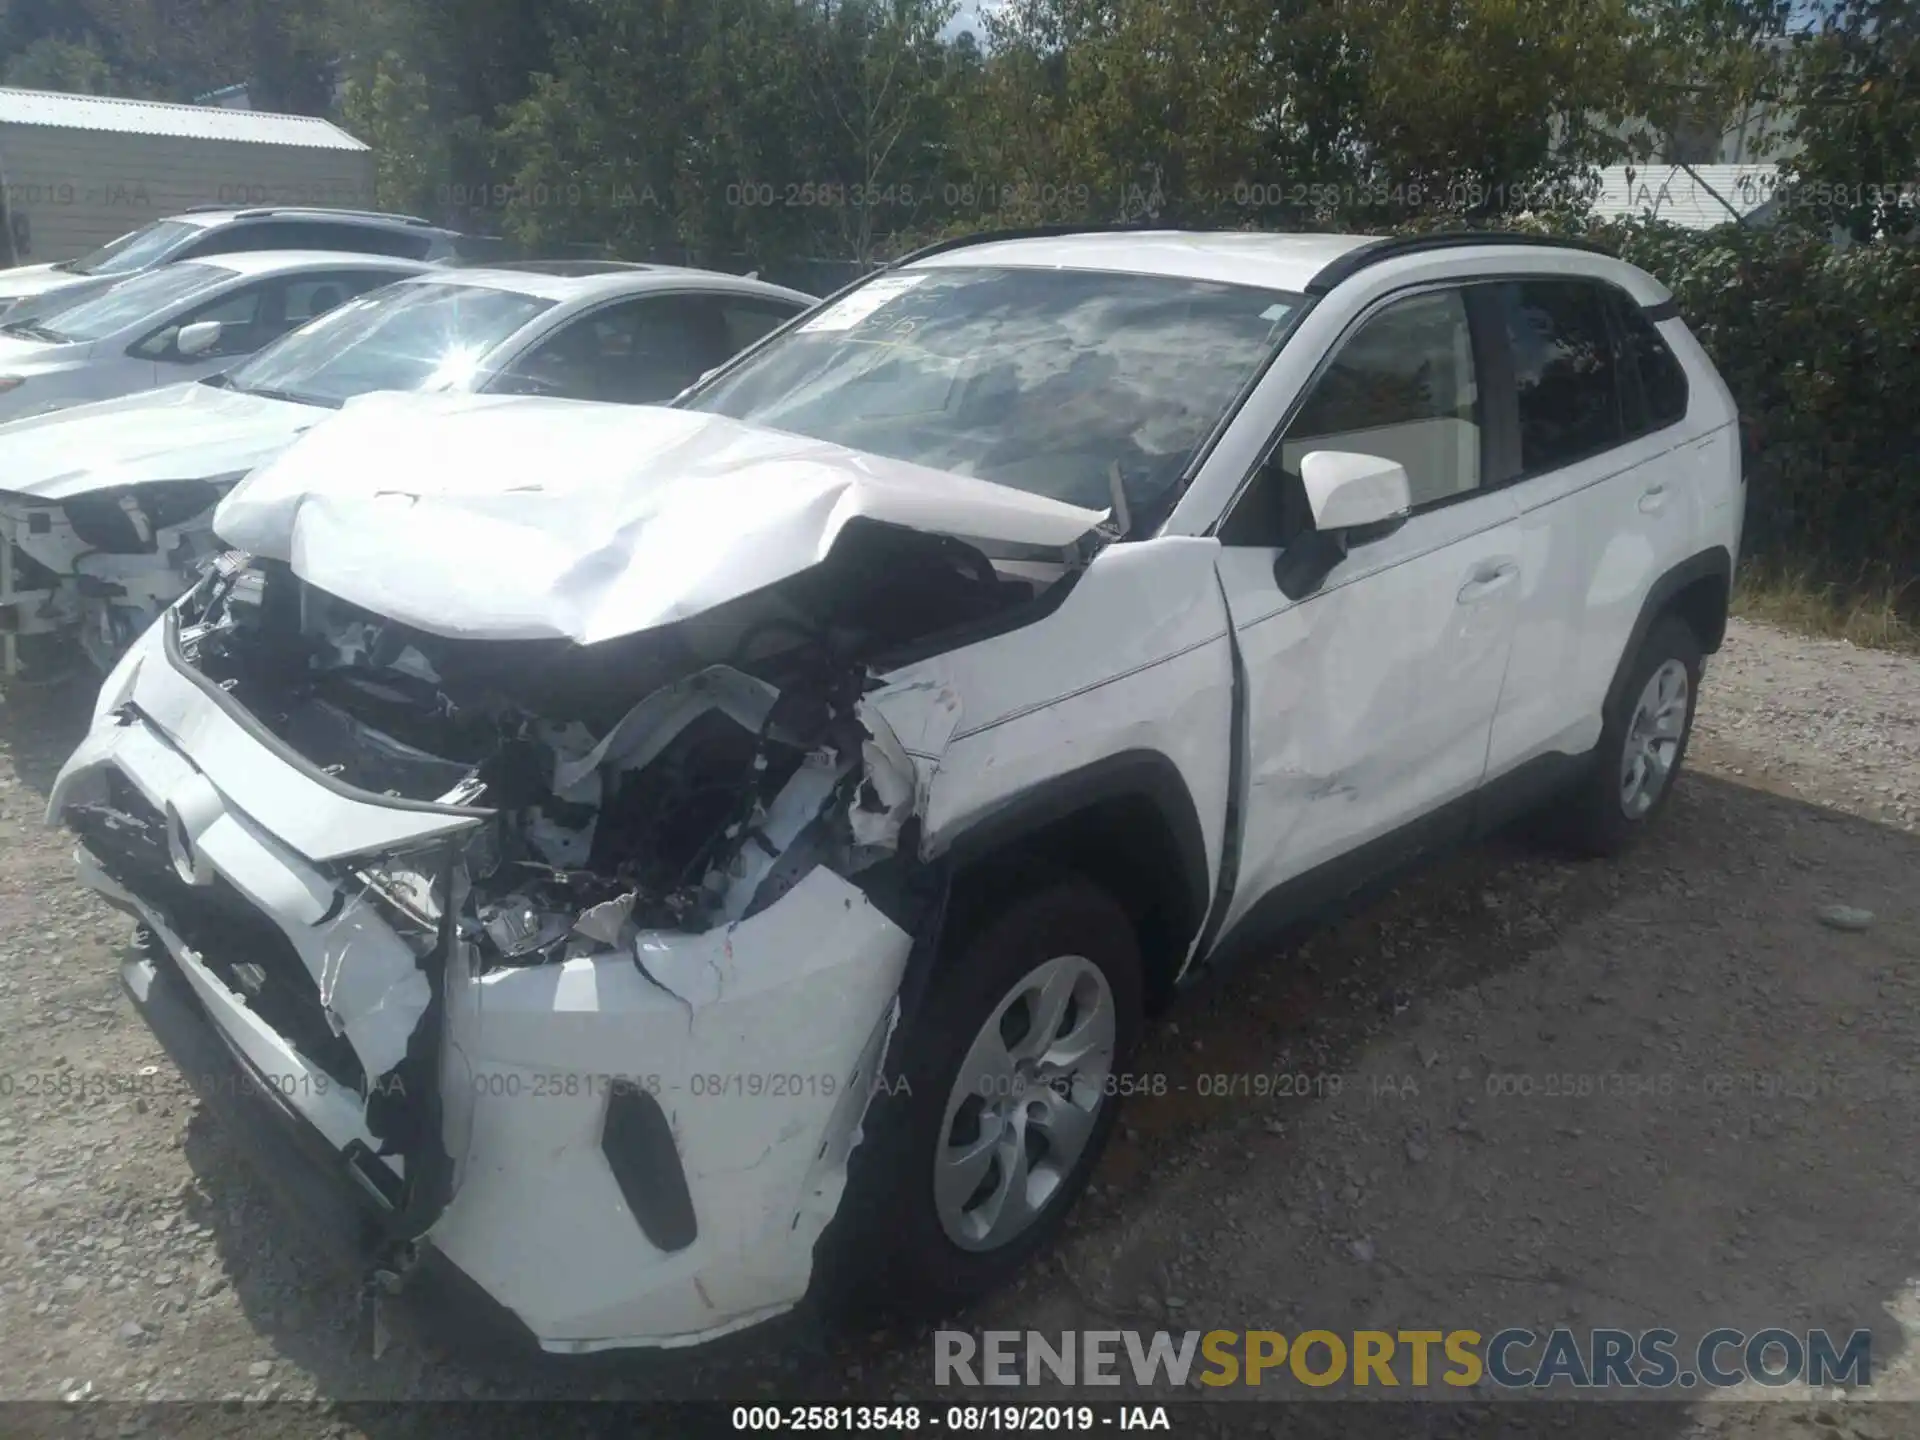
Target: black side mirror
x,y
1308,559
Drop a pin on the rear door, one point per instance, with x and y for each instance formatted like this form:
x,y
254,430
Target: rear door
x,y
1369,701
1602,490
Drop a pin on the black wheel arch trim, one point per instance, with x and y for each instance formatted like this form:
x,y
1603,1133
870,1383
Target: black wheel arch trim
x,y
1714,563
1141,774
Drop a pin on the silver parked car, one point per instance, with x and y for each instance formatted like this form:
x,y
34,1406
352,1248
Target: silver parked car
x,y
202,233
179,322
108,506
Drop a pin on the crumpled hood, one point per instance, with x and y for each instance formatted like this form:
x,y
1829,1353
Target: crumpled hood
x,y
517,517
184,432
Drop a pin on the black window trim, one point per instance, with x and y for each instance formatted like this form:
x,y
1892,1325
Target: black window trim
x,y
1632,385
1485,343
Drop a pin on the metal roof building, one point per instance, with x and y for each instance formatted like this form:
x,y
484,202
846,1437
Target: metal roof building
x,y
1697,197
80,170
153,117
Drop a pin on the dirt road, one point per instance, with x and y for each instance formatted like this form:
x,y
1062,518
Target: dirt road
x,y
1657,1092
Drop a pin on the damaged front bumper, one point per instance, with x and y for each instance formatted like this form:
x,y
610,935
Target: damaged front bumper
x,y
634,1145
101,568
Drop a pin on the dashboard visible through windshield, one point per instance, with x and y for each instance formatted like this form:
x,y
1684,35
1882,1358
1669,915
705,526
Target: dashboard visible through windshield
x,y
1085,386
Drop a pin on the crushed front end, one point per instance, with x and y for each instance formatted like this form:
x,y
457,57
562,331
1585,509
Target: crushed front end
x,y
581,961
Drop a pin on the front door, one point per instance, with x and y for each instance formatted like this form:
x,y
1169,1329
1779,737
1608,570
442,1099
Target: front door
x,y
1369,702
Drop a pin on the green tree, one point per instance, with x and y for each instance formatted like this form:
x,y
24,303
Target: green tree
x,y
387,105
1350,112
1856,85
50,63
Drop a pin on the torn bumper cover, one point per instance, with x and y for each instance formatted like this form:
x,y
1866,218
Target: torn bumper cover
x,y
624,1132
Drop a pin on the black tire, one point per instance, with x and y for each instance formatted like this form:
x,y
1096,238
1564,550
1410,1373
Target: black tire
x,y
1593,820
886,1249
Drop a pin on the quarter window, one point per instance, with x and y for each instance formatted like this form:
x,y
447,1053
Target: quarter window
x,y
1563,363
1663,380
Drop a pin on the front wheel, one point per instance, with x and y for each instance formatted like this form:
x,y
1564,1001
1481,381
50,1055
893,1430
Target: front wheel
x,y
1642,743
1011,1077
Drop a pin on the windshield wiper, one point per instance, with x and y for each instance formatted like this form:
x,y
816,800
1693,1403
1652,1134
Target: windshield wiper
x,y
219,381
33,330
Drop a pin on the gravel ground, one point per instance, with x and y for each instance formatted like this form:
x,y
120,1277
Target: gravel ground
x,y
1760,1169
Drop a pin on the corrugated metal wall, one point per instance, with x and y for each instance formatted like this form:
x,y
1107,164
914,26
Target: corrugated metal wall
x,y
70,190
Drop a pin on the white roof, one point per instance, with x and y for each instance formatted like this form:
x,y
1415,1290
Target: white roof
x,y
1235,257
277,262
1690,196
563,288
151,117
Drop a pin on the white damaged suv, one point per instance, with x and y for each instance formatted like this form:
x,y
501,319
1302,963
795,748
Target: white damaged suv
x,y
662,861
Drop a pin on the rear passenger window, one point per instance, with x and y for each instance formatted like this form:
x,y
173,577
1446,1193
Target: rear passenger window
x,y
315,235
1663,381
360,239
1564,372
238,239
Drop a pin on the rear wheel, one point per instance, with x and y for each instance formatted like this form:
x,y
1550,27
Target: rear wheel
x,y
1643,743
970,1166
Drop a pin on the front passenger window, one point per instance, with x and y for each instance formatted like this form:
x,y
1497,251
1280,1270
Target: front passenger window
x,y
241,314
1401,387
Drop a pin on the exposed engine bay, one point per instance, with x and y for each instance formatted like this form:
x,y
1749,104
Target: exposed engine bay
x,y
672,780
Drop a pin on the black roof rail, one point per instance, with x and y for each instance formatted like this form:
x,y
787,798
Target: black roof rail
x,y
1391,247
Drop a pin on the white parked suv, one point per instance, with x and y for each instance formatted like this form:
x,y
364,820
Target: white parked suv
x,y
658,863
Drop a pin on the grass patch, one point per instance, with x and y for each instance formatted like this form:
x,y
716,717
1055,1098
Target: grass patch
x,y
1879,615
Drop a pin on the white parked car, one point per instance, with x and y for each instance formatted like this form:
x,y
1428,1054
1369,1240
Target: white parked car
x,y
109,506
203,233
179,322
659,861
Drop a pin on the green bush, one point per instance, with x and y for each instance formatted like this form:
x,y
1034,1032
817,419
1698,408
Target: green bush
x,y
1821,348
